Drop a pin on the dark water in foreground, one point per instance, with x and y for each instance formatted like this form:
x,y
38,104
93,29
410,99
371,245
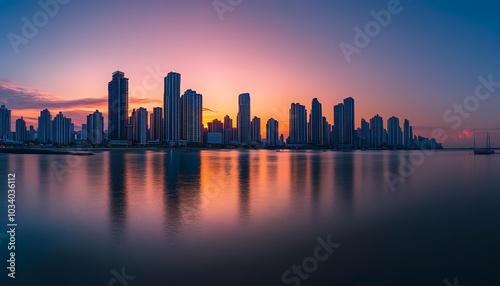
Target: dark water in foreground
x,y
245,217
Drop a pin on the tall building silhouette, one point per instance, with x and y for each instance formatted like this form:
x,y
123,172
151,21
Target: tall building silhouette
x,y
31,133
338,125
191,117
84,132
406,134
95,128
349,121
255,135
21,130
297,124
118,106
327,128
171,98
4,123
393,131
272,130
156,129
228,130
309,132
62,130
216,126
139,122
44,127
316,123
243,120
377,131
364,133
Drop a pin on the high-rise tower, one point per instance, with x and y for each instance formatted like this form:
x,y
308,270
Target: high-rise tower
x,y
243,119
316,123
171,98
118,106
191,117
4,123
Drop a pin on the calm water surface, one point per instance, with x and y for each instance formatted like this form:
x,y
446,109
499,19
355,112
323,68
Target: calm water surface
x,y
245,217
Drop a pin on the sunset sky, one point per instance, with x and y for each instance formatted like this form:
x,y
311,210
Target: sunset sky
x,y
427,58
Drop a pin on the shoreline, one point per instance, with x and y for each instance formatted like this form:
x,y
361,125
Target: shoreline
x,y
89,151
37,151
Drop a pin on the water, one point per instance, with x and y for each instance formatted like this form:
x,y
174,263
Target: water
x,y
245,217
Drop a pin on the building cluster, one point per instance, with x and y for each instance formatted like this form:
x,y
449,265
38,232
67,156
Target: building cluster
x,y
179,123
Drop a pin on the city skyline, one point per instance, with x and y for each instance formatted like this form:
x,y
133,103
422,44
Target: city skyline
x,y
182,124
394,75
239,142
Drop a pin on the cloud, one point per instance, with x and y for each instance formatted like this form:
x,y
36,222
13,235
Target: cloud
x,y
20,98
208,110
139,101
15,97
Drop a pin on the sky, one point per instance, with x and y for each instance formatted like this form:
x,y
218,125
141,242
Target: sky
x,y
428,57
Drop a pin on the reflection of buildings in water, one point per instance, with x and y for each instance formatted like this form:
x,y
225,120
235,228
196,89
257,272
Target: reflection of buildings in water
x,y
44,173
155,167
272,166
189,187
315,165
244,185
392,167
171,191
298,178
299,171
95,171
181,173
343,172
228,166
117,192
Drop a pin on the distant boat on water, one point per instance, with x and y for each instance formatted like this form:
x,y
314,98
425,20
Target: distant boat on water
x,y
484,151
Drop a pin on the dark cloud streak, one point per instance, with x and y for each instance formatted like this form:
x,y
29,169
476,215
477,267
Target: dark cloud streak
x,y
21,98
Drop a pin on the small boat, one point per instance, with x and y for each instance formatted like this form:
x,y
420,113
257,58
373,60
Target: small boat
x,y
484,151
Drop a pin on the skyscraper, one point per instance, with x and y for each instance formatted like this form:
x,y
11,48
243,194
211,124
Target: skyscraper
x,y
62,130
21,130
228,130
364,134
95,128
272,129
156,129
326,132
31,133
44,126
4,123
171,98
411,136
338,125
407,136
298,124
139,122
309,132
117,106
228,122
377,131
349,121
393,131
192,117
243,120
84,132
316,123
215,126
255,135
